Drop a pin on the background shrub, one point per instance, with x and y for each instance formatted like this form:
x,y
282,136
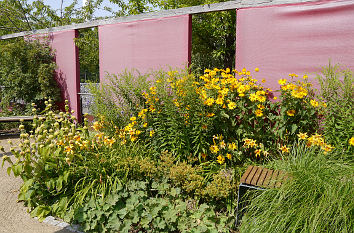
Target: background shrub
x,y
337,91
26,74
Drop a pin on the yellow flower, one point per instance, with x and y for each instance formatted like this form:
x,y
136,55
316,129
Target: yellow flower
x,y
232,146
219,101
210,114
282,81
221,159
253,97
97,126
222,144
261,98
228,155
351,141
258,152
214,149
314,103
284,149
209,101
274,98
133,118
145,125
258,113
302,136
260,106
290,112
256,69
299,92
152,132
265,153
69,150
327,148
203,155
231,105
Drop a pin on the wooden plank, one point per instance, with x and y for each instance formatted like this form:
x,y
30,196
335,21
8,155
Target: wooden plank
x,y
268,178
250,177
273,179
280,179
262,177
222,6
16,118
256,176
245,175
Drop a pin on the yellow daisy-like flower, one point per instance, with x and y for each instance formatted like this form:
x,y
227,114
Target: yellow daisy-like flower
x,y
351,141
221,159
152,132
290,112
209,101
219,101
302,136
314,103
261,98
231,105
282,81
284,149
210,114
214,149
258,113
133,118
256,69
253,97
260,106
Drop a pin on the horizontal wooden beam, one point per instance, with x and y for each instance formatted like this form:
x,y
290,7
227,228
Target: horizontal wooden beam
x,y
222,6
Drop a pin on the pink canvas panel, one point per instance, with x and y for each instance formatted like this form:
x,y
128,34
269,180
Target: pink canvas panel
x,y
145,45
68,70
299,38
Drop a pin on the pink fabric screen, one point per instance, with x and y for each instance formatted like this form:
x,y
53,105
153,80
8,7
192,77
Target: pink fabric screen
x,y
68,71
145,45
298,38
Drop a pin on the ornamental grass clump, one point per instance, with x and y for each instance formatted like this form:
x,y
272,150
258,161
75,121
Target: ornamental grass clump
x,y
318,197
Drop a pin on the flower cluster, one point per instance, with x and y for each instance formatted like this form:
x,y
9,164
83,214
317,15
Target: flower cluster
x,y
222,149
316,140
258,148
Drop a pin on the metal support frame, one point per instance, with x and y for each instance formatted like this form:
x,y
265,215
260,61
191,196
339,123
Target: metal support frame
x,y
242,189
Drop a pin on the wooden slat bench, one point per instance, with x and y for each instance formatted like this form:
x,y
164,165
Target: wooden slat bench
x,y
16,118
258,178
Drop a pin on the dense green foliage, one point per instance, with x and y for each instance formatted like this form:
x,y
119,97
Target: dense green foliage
x,y
221,114
337,90
26,74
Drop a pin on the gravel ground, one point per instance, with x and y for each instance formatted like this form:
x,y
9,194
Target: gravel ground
x,y
13,215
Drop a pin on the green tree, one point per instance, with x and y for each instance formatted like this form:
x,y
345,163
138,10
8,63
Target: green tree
x,y
26,73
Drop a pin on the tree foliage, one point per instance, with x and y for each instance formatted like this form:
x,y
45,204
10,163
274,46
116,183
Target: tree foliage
x,y
213,34
26,73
